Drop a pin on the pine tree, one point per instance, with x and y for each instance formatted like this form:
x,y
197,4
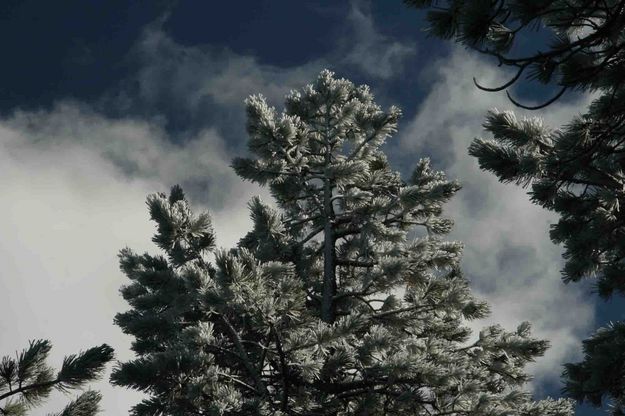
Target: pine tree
x,y
27,380
577,170
343,300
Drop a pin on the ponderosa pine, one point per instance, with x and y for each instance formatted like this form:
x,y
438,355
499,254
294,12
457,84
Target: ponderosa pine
x,y
343,300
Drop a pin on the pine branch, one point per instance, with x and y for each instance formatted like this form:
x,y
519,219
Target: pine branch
x,y
236,340
24,389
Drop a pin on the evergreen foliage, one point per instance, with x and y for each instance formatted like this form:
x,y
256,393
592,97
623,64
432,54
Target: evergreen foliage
x,y
27,379
586,50
577,170
601,371
345,300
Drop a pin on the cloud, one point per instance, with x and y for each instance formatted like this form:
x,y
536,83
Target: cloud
x,y
508,255
74,185
199,86
194,74
190,89
370,51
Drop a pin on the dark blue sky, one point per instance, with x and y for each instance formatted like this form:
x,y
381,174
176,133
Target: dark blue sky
x,y
81,48
63,49
87,51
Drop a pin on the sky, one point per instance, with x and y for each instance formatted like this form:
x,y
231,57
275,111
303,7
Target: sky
x,y
104,102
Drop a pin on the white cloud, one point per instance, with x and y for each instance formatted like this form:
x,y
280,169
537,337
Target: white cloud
x,y
74,185
195,79
199,80
370,51
508,254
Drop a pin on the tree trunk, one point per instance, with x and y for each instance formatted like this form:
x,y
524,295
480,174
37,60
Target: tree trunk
x,y
329,254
